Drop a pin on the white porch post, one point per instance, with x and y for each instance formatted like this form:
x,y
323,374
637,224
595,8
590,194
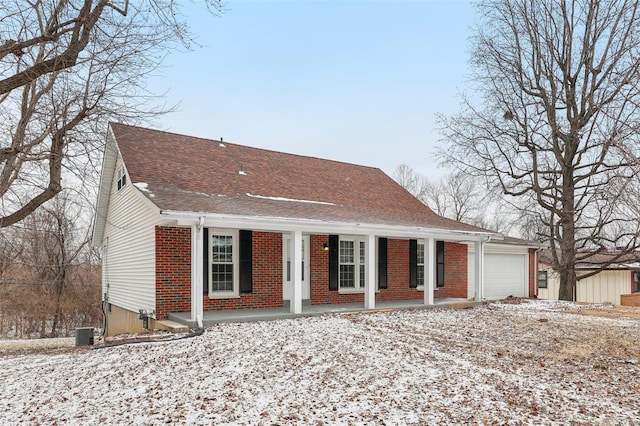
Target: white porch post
x,y
479,270
429,270
296,273
197,265
370,282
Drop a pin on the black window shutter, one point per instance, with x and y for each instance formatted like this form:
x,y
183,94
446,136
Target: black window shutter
x,y
413,263
382,263
333,262
440,263
205,260
246,261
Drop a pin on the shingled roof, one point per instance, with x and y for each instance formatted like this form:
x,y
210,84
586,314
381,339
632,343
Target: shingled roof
x,y
190,174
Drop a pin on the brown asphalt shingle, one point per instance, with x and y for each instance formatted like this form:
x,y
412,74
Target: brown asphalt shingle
x,y
191,174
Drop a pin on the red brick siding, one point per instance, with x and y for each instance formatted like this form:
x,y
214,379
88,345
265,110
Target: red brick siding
x,y
455,271
173,273
398,273
319,259
267,277
173,270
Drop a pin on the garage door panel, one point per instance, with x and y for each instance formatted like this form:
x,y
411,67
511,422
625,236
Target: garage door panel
x,y
505,275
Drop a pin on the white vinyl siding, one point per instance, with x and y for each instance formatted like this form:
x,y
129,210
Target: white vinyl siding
x,y
129,249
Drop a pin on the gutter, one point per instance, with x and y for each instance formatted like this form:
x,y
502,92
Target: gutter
x,y
285,224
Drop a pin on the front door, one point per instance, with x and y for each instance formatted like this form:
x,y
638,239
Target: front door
x,y
287,287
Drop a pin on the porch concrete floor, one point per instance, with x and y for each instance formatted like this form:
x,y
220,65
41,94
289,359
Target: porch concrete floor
x,y
269,314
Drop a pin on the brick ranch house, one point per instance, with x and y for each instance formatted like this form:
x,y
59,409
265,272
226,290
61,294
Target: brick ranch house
x,y
187,224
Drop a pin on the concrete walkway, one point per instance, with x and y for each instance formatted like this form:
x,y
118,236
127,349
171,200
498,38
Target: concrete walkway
x,y
269,314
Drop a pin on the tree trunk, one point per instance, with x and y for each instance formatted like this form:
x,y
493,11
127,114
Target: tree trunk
x,y
567,255
57,317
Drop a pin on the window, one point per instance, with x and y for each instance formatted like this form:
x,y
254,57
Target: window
x,y
417,264
223,264
542,279
352,264
636,282
122,178
420,264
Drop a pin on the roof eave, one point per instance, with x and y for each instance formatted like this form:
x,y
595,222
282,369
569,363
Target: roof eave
x,y
104,188
287,224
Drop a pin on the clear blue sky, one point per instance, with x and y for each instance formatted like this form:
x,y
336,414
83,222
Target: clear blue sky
x,y
354,80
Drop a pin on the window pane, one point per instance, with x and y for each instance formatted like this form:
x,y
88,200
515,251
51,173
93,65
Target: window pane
x,y
346,252
221,277
420,274
361,280
542,279
222,249
420,253
347,276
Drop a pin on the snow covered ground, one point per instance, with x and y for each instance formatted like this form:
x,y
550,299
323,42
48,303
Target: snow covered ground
x,y
526,363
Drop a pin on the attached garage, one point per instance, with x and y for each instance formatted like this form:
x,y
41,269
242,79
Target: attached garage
x,y
505,274
506,269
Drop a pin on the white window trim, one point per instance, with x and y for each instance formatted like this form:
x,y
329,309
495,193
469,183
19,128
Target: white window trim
x,y
121,174
420,285
235,256
356,257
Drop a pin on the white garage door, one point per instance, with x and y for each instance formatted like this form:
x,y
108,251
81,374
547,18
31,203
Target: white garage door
x,y
505,275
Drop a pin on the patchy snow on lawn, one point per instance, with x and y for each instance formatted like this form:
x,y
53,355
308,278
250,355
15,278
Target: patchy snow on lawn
x,y
491,364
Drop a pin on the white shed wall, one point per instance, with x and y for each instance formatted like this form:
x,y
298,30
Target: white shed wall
x,y
128,262
605,287
553,285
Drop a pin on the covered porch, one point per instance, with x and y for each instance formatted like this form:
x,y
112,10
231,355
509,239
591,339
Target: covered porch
x,y
370,290
269,314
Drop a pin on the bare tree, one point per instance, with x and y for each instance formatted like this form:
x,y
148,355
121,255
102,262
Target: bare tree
x,y
456,196
67,67
411,180
51,284
554,120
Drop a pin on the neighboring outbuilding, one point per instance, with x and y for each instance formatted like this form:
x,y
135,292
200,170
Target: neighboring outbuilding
x,y
189,225
618,279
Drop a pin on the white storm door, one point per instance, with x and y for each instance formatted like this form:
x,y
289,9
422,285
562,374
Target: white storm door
x,y
287,287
